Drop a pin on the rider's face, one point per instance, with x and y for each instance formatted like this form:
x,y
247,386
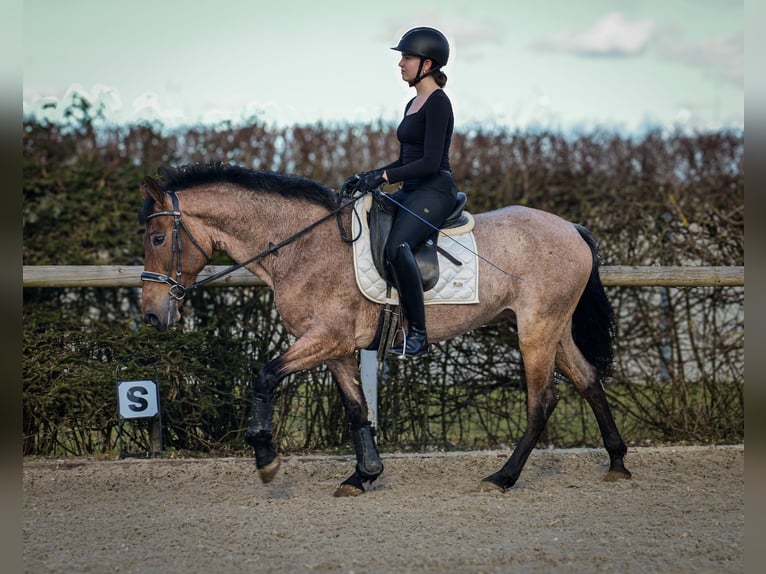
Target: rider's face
x,y
408,64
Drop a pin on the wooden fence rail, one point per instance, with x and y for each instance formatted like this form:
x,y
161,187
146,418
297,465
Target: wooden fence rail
x,y
130,276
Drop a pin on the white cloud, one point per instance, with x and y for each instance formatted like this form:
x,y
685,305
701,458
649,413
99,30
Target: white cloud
x,y
724,56
612,35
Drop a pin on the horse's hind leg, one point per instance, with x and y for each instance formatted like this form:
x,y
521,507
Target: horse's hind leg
x,y
585,378
368,463
541,400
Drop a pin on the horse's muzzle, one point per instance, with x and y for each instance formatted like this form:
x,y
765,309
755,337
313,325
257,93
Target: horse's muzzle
x,y
154,321
162,316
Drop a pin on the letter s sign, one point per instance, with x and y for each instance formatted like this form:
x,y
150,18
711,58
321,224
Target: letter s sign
x,y
138,404
137,399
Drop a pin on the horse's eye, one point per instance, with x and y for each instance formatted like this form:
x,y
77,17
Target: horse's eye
x,y
158,239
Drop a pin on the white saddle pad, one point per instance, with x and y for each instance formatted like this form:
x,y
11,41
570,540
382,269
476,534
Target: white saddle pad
x,y
457,284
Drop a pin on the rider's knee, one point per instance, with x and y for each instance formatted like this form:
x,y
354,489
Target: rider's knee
x,y
394,250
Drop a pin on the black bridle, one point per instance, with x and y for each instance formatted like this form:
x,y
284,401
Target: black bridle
x,y
178,290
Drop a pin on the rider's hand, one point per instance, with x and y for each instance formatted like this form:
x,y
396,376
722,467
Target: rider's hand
x,y
369,180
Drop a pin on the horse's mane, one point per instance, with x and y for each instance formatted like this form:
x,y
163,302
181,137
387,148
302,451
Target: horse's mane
x,y
288,186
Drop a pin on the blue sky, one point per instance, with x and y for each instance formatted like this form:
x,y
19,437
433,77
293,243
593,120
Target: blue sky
x,y
558,64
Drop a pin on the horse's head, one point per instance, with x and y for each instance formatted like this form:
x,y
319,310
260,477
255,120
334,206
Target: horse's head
x,y
172,256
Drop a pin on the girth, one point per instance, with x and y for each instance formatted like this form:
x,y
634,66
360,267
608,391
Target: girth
x,y
380,219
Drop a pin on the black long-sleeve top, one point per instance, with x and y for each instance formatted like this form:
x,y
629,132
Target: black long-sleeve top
x,y
424,139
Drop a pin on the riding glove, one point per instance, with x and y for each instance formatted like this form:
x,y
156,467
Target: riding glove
x,y
369,180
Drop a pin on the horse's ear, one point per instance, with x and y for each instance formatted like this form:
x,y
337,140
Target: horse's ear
x,y
151,188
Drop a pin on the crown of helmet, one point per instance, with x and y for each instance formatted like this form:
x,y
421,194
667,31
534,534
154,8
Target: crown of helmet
x,y
426,43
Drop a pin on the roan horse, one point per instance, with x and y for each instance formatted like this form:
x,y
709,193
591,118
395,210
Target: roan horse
x,y
281,227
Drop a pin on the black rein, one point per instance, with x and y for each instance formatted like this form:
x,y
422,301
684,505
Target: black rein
x,y
179,291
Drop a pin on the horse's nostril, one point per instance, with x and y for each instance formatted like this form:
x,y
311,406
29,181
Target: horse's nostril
x,y
152,319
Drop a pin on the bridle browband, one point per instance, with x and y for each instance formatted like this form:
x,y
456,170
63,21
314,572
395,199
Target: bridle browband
x,y
178,290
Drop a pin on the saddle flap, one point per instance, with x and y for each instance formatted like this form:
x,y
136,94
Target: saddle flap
x,y
458,273
427,259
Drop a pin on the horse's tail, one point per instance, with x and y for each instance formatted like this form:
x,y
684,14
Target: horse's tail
x,y
593,323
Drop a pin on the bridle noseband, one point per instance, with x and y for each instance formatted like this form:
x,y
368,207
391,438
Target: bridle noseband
x,y
177,289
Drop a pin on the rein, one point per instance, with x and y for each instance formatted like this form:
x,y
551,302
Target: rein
x,y
179,291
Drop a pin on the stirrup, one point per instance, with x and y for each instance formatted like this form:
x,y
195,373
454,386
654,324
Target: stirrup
x,y
400,352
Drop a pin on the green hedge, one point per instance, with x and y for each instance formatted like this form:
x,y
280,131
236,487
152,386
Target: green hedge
x,y
658,199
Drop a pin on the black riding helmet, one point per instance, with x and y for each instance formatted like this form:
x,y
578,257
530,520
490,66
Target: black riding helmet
x,y
426,43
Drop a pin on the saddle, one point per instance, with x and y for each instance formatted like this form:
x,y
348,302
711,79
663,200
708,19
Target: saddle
x,y
380,219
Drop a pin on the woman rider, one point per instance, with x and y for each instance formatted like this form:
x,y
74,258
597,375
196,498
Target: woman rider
x,y
428,190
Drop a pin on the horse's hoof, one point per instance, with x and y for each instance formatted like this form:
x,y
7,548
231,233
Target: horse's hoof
x,y
615,475
489,486
348,490
268,472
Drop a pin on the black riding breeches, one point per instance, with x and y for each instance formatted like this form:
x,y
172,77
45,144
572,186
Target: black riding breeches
x,y
426,207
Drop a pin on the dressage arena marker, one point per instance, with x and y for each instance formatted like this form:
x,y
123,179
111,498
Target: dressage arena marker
x,y
139,399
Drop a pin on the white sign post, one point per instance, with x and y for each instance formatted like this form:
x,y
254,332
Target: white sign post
x,y
136,400
368,367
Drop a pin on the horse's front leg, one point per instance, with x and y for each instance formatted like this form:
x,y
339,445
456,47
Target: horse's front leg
x,y
308,351
259,433
368,463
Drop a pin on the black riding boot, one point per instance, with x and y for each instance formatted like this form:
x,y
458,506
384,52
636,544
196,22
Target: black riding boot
x,y
410,289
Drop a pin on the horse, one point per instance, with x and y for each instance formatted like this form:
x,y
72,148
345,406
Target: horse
x,y
281,228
